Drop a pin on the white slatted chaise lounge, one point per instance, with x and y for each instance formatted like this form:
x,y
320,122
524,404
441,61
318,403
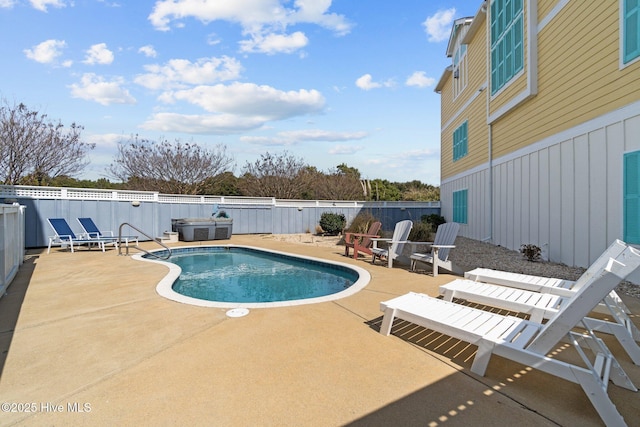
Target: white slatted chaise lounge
x,y
548,284
528,342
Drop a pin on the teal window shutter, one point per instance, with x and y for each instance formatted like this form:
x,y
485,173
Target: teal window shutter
x,y
631,198
507,50
460,141
460,206
631,30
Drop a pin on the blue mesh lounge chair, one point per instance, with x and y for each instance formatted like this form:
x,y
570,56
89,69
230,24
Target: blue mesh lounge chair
x,y
93,232
64,236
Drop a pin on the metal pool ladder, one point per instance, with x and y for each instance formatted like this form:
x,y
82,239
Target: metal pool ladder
x,y
168,252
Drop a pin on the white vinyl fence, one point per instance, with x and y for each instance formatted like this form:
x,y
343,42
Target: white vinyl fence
x,y
154,212
11,243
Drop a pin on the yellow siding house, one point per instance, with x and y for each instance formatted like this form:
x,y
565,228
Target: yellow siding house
x,y
540,126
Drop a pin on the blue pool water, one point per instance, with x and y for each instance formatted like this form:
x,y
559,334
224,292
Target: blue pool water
x,y
235,274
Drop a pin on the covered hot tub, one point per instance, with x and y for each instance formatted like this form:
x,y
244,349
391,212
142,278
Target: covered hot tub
x,y
195,229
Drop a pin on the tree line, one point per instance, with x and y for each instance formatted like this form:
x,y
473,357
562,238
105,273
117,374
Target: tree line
x,y
34,150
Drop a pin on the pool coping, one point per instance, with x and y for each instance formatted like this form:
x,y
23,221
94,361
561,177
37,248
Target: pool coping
x,y
164,288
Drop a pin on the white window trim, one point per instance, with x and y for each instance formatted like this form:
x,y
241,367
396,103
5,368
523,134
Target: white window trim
x,y
530,66
621,63
460,83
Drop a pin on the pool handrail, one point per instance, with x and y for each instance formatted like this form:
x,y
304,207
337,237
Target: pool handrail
x,y
167,256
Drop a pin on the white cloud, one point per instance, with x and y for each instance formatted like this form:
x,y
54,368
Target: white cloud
x,y
315,11
420,79
417,155
298,136
251,14
438,26
95,88
323,135
177,73
406,164
264,21
148,51
110,4
46,52
234,108
212,39
266,140
366,82
217,124
98,54
106,140
7,4
248,99
345,149
275,43
43,4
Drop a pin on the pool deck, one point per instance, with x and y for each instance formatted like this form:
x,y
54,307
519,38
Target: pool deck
x,y
87,341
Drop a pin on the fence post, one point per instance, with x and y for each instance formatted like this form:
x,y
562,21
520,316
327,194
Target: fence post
x,y
11,243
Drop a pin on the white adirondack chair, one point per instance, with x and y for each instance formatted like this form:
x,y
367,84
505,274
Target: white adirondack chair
x,y
528,342
440,248
396,243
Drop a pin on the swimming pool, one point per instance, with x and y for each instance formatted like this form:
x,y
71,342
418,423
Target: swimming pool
x,y
233,276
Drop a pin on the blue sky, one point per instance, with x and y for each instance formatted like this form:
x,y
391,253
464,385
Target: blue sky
x,y
330,81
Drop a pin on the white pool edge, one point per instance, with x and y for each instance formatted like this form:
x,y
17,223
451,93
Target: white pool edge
x,y
165,287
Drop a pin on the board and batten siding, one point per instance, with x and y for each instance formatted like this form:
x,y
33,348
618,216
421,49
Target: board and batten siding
x,y
478,214
563,193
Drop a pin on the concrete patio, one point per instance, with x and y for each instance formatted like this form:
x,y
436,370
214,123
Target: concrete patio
x,y
87,341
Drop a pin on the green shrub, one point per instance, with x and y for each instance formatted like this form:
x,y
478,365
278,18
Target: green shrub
x,y
434,220
421,232
332,223
362,222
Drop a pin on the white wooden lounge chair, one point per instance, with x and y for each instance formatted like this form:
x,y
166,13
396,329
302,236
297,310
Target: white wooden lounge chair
x,y
540,306
440,248
622,326
396,243
528,342
548,284
64,236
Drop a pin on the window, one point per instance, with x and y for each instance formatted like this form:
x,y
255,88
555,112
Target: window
x,y
460,206
631,198
507,53
459,68
460,142
631,30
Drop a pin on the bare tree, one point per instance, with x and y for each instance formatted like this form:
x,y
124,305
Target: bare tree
x,y
169,167
342,183
275,175
33,147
